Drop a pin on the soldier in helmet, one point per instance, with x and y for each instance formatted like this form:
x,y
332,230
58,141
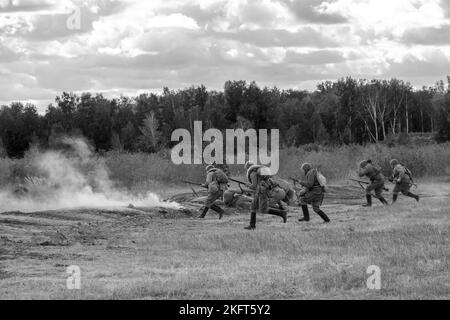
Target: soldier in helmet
x,y
312,194
216,182
283,193
373,172
224,167
241,197
402,178
262,184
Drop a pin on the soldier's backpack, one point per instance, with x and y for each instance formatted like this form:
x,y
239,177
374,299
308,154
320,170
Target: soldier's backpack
x,y
220,177
321,179
409,174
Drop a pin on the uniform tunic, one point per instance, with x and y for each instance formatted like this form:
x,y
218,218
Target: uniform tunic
x,y
403,180
376,179
215,190
314,192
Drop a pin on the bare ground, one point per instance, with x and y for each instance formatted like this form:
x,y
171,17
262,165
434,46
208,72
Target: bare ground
x,y
151,253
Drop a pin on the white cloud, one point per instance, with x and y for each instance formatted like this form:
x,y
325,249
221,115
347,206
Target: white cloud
x,y
131,45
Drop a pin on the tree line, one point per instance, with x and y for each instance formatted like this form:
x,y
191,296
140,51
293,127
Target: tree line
x,y
345,111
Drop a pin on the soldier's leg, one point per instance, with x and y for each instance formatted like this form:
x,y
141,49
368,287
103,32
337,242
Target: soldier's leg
x,y
209,202
414,196
379,195
306,217
219,210
279,213
303,204
264,207
395,193
369,196
406,191
378,187
316,208
255,205
252,225
204,212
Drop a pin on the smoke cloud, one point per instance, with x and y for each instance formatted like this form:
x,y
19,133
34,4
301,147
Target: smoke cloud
x,y
72,178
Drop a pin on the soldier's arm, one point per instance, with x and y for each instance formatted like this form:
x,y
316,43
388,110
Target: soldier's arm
x,y
254,179
209,178
363,171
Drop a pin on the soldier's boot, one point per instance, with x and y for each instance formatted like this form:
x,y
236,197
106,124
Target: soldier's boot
x,y
219,210
252,225
279,213
305,214
383,201
323,216
369,201
394,198
412,195
203,215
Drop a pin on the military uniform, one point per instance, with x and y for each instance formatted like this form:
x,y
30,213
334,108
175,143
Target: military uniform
x,y
224,167
367,169
215,191
283,192
402,180
262,185
313,194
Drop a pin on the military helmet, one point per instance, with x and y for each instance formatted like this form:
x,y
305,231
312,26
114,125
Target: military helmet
x,y
209,168
394,162
363,163
264,171
248,164
306,167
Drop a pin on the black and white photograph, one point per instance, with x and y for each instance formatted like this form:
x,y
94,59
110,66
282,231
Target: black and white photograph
x,y
227,156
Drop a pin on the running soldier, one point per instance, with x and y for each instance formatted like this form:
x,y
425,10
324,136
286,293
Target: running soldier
x,y
224,167
373,172
282,193
313,194
262,184
402,178
216,182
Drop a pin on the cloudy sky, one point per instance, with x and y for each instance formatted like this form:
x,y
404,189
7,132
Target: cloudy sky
x,y
131,46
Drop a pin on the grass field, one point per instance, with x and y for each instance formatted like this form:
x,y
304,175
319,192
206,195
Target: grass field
x,y
168,254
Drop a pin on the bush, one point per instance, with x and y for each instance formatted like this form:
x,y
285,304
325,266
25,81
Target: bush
x,y
129,170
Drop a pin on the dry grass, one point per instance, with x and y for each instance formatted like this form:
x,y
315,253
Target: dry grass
x,y
210,259
153,171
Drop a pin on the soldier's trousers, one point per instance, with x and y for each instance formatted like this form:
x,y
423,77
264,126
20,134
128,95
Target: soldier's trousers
x,y
212,198
403,188
377,187
260,202
314,198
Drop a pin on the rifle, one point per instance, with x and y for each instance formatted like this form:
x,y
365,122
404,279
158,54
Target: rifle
x,y
362,183
194,184
412,184
296,181
240,183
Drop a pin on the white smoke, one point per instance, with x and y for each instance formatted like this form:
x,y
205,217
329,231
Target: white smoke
x,y
75,178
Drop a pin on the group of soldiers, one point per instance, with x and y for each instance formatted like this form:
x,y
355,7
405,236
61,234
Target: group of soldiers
x,y
401,177
271,195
